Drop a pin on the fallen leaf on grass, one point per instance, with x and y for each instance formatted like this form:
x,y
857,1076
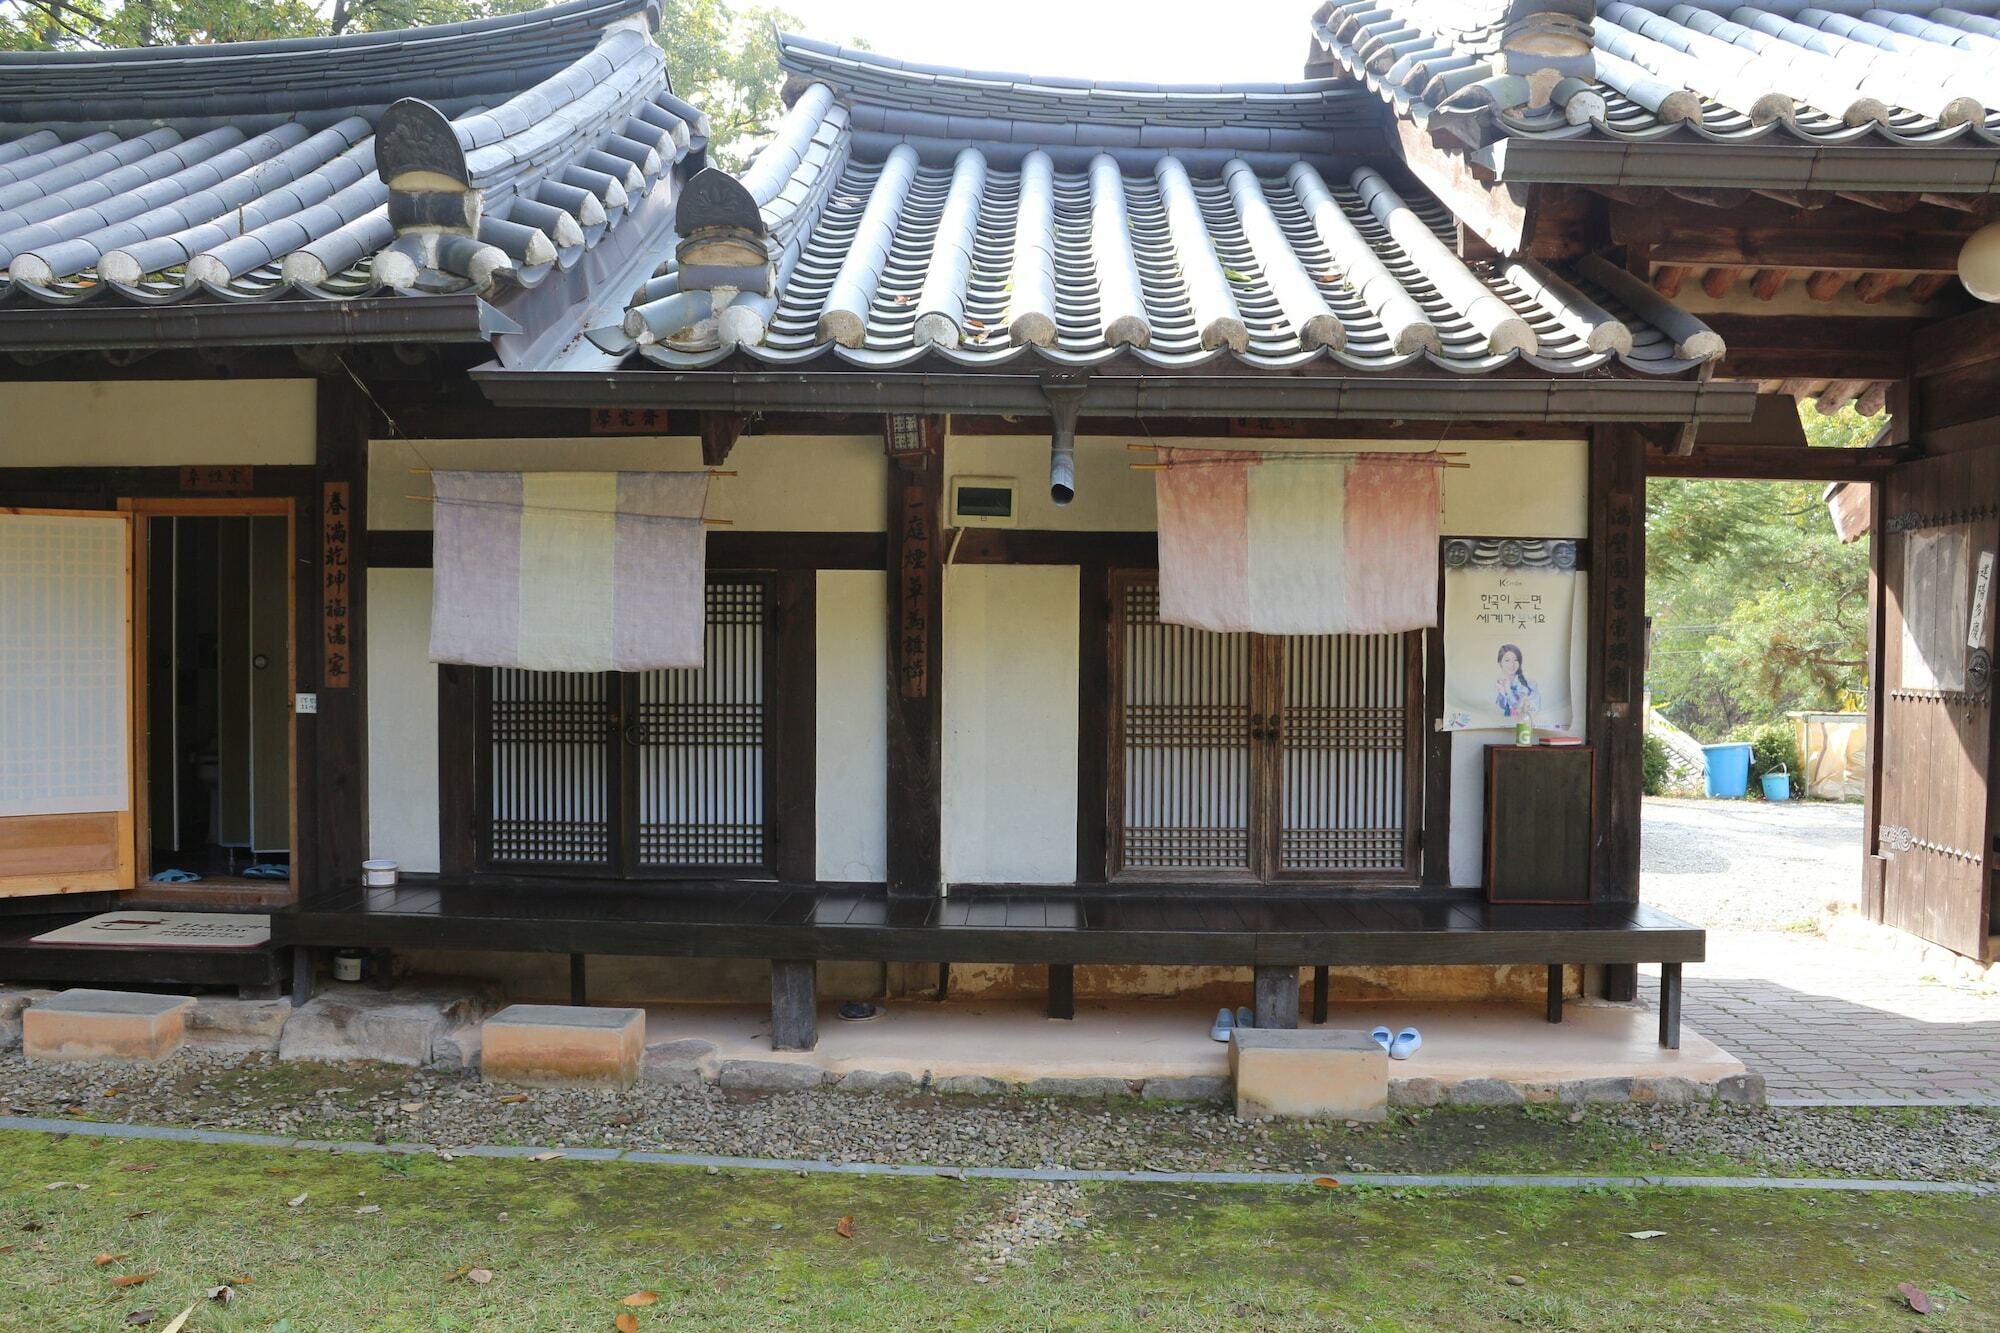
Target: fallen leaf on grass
x,y
1326,1182
514,1099
1645,1235
641,1298
66,1185
1915,1296
479,1276
31,1226
368,1209
139,1317
223,1293
458,1272
108,1258
140,1166
844,1228
143,1212
131,1279
626,1323
298,1198
545,1157
179,1321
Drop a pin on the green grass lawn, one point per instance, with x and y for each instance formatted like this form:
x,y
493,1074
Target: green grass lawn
x,y
565,1241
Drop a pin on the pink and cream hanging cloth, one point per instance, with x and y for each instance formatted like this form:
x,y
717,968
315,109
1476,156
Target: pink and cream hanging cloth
x,y
1298,543
569,571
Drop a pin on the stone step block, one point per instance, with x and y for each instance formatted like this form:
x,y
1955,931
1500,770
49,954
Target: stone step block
x,y
1308,1074
551,1045
124,1026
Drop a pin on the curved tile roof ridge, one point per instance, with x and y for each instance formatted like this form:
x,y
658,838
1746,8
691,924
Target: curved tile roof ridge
x,y
1821,72
287,76
877,256
539,177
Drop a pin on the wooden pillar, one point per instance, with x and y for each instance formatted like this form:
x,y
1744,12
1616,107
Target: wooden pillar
x,y
1093,719
1320,986
579,986
1873,867
1670,1006
1616,677
1277,997
796,804
916,651
1062,990
794,1004
1555,992
333,551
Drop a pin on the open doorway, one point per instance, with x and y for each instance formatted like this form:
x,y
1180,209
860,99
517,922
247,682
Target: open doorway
x,y
215,625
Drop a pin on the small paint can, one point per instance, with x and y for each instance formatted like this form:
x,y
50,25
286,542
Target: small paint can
x,y
349,964
378,874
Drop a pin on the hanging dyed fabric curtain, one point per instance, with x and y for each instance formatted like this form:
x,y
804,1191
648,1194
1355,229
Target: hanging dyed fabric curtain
x,y
569,571
1297,543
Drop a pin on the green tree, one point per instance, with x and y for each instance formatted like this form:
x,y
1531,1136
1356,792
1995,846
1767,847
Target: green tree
x,y
1758,608
725,61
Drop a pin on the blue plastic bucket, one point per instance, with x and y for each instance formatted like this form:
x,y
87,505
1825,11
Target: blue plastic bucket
x,y
1728,770
1777,786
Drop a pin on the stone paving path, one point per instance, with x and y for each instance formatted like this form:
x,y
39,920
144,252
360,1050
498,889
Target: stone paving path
x,y
1820,1020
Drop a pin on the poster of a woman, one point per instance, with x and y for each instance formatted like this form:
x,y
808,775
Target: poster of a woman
x,y
1515,695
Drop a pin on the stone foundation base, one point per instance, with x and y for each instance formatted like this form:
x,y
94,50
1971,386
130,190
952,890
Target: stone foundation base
x,y
553,1045
106,1025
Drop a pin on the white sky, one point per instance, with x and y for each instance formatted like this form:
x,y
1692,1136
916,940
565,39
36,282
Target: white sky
x,y
1155,41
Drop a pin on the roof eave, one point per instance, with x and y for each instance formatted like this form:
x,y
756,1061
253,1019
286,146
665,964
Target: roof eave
x,y
1320,397
1693,163
462,318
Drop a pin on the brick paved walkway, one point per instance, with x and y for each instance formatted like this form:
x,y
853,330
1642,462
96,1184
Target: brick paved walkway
x,y
1826,1021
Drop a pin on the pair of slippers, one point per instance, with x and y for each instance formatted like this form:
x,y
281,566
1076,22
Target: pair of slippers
x,y
1226,1022
1401,1046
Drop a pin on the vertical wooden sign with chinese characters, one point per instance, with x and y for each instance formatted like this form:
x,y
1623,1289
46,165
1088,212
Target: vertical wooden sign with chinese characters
x,y
915,593
1617,669
1622,607
336,577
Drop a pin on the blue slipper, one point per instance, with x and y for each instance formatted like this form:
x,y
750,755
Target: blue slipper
x,y
1246,1017
175,877
1225,1023
1407,1043
1380,1036
267,870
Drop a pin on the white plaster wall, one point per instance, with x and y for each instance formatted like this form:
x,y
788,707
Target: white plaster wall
x,y
1010,724
1514,488
782,483
402,720
156,423
851,748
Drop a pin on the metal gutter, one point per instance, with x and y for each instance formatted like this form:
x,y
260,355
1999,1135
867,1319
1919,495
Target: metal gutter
x,y
1710,165
1327,397
105,327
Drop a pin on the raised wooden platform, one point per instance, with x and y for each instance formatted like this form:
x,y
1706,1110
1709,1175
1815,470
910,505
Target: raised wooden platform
x,y
1274,932
21,960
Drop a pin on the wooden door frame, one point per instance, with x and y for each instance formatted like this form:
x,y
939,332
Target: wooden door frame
x,y
143,509
128,865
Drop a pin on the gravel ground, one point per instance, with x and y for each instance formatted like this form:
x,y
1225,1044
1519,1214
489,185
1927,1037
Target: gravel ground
x,y
1956,1143
1749,865
254,1093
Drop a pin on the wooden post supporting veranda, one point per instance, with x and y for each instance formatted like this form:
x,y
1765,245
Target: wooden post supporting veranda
x,y
333,600
1616,677
916,651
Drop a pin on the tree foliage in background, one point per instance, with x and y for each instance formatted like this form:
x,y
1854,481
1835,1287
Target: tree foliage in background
x,y
1758,609
721,58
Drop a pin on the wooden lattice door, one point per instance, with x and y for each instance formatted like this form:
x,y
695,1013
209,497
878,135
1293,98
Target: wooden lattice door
x,y
1257,758
640,774
1933,815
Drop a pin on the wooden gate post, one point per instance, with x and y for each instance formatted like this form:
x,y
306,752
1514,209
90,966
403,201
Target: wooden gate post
x,y
333,541
1617,671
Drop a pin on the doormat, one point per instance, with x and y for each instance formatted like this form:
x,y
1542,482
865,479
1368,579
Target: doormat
x,y
165,930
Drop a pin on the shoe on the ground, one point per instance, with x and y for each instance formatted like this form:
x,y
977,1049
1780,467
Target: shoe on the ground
x,y
1246,1017
1406,1044
1381,1037
1225,1023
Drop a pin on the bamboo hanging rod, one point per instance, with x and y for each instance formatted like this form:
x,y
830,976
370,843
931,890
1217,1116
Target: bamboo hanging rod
x,y
1162,467
1309,453
706,522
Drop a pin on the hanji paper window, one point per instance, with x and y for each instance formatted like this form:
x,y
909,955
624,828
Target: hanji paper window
x,y
1258,758
638,774
65,702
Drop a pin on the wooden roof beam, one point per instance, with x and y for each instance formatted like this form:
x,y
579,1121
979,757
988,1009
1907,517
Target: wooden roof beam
x,y
1769,282
1718,281
1825,284
1872,287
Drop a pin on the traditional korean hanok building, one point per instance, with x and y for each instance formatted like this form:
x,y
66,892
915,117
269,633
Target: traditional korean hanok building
x,y
1017,535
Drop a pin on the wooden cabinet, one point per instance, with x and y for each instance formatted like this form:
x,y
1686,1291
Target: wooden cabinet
x,y
1539,825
